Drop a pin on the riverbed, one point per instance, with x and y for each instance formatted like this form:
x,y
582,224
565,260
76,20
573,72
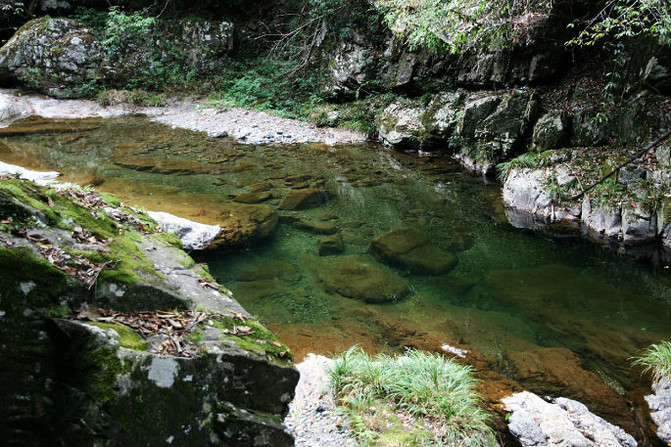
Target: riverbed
x,y
548,309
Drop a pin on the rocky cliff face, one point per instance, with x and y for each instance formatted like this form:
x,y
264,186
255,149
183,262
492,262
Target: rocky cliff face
x,y
62,57
113,336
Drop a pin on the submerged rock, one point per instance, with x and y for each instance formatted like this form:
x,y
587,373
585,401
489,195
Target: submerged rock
x,y
302,199
561,421
660,407
355,277
410,249
242,223
314,226
252,197
330,245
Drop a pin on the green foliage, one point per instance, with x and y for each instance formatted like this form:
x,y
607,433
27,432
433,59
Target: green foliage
x,y
610,190
656,359
527,160
423,386
627,18
138,97
90,17
260,84
122,29
456,26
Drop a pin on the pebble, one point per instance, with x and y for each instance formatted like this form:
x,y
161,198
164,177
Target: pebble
x,y
312,418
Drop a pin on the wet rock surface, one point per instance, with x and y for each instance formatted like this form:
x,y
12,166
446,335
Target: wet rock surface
x,y
242,223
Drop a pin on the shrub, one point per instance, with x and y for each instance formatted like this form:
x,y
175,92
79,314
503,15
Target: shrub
x,y
382,395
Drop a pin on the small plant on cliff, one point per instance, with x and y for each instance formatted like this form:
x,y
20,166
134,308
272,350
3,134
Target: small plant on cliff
x,y
656,359
528,160
413,399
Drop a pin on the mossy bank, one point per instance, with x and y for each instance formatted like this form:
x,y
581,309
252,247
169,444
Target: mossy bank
x,y
72,376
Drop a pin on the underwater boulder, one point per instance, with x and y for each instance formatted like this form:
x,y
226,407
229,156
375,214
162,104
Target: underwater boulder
x,y
410,249
354,277
303,199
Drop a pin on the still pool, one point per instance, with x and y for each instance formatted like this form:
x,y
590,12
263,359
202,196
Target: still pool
x,y
553,311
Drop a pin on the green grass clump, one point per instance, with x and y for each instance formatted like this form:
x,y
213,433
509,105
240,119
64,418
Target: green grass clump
x,y
528,160
379,393
656,359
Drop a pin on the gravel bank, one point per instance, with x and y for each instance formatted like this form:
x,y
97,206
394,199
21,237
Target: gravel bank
x,y
247,126
312,417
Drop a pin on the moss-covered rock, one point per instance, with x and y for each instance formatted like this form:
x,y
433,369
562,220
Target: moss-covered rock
x,y
52,55
92,383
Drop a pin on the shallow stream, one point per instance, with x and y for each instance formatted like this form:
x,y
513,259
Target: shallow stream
x,y
523,299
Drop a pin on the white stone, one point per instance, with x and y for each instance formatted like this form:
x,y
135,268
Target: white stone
x,y
40,177
194,235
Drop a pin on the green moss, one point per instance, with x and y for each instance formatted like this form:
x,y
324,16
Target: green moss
x,y
167,238
195,337
260,339
204,271
47,284
127,337
111,199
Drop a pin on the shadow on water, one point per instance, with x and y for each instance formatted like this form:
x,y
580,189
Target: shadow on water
x,y
527,300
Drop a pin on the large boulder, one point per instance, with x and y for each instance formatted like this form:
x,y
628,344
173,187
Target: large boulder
x,y
442,114
400,125
410,249
357,278
55,56
351,66
138,355
551,131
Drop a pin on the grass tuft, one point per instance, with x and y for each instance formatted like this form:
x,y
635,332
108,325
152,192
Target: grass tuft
x,y
427,396
656,359
528,160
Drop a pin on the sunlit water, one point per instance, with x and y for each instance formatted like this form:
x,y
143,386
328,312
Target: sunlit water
x,y
511,291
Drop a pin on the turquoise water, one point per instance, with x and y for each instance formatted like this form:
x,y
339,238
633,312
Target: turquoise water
x,y
512,291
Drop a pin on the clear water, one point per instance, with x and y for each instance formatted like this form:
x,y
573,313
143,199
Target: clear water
x,y
512,291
